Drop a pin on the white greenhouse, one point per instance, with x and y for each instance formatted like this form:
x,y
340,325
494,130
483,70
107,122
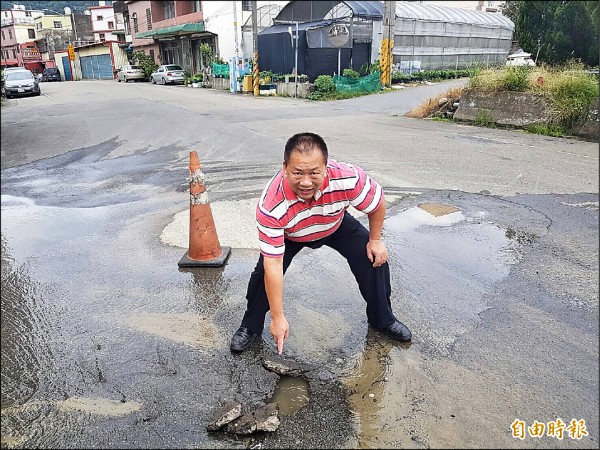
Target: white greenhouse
x,y
432,37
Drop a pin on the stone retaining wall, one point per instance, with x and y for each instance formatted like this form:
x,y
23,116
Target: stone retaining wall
x,y
518,109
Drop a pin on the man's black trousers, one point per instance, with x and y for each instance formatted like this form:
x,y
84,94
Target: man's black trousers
x,y
350,240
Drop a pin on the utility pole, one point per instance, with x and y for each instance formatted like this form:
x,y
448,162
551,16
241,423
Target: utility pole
x,y
386,57
234,69
255,71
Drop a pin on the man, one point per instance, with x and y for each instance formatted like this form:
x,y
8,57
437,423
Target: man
x,y
304,205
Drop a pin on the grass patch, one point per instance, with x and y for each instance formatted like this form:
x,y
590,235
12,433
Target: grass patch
x,y
432,105
568,89
546,129
485,119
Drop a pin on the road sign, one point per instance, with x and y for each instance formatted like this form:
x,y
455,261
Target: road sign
x,y
71,51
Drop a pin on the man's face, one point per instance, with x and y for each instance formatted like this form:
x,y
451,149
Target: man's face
x,y
305,173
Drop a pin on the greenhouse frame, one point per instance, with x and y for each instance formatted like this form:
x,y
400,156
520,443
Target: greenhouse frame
x,y
426,37
432,37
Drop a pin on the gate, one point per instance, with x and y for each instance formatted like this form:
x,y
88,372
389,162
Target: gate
x,y
96,67
67,68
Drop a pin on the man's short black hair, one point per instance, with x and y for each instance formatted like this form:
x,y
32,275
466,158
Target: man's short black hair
x,y
305,143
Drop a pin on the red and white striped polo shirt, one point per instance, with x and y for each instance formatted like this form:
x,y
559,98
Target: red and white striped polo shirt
x,y
280,212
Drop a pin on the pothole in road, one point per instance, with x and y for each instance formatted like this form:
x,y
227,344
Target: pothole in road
x,y
291,393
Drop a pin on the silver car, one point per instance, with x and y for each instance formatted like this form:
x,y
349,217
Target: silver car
x,y
168,74
20,82
130,72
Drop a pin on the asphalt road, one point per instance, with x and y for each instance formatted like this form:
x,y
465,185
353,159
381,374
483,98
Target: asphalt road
x,y
106,343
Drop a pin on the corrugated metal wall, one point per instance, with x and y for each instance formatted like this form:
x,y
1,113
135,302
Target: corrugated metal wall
x,y
119,56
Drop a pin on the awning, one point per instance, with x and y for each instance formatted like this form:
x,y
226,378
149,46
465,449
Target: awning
x,y
174,30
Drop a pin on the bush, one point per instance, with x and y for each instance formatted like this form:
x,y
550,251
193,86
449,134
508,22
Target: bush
x,y
324,84
146,62
350,73
517,78
571,98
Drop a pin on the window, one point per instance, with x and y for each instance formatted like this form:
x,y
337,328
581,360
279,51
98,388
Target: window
x,y
152,54
3,35
197,6
99,18
31,33
149,18
27,13
102,37
126,24
111,25
135,25
169,9
57,24
14,54
10,34
246,6
38,26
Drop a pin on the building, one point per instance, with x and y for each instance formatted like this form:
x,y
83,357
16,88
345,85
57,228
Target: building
x,y
54,32
186,33
171,32
219,20
472,5
105,26
17,28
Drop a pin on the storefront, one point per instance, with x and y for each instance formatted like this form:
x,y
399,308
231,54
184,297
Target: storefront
x,y
32,58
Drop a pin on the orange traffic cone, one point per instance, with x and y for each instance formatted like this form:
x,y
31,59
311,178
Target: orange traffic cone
x,y
204,247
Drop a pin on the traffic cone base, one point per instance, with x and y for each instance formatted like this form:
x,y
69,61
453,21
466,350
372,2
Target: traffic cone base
x,y
185,261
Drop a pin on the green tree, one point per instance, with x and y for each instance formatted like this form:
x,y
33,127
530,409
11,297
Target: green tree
x,y
206,55
559,30
146,62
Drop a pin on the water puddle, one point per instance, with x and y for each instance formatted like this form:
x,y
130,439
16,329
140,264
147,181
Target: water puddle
x,y
291,393
432,214
33,229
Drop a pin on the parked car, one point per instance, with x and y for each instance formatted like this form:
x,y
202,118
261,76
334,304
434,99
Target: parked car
x,y
168,73
130,72
11,69
51,74
20,82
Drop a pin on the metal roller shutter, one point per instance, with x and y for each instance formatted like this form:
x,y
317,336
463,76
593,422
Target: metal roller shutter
x,y
96,67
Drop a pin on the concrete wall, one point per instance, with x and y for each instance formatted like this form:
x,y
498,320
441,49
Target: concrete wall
x,y
501,107
519,109
591,127
289,89
284,89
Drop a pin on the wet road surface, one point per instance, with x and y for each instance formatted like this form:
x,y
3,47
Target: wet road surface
x,y
106,343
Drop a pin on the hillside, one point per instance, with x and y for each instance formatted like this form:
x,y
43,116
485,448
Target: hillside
x,y
57,6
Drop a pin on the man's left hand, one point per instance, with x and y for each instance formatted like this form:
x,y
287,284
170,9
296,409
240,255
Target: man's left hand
x,y
377,252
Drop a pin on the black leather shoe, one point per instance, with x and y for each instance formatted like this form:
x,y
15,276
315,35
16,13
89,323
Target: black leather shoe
x,y
242,338
397,331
